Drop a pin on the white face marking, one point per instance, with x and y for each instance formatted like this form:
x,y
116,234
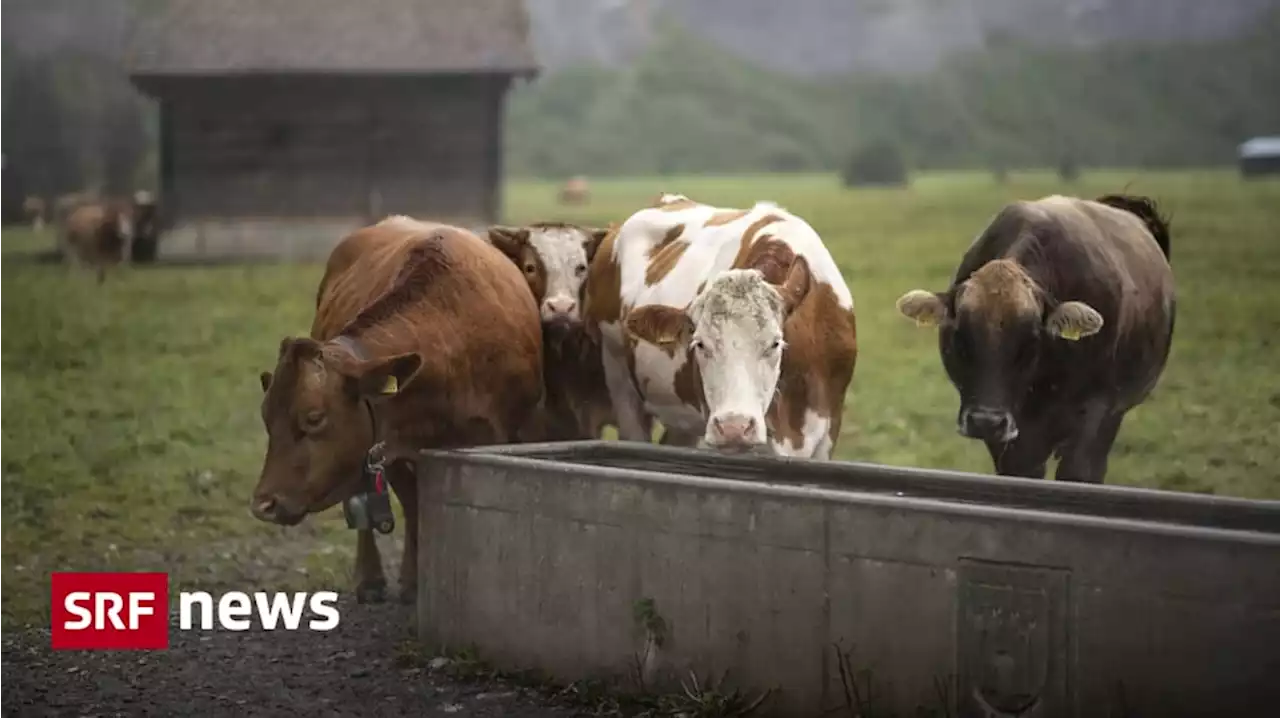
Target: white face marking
x,y
737,341
564,260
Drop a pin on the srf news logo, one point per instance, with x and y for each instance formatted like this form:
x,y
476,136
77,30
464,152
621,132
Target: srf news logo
x,y
104,611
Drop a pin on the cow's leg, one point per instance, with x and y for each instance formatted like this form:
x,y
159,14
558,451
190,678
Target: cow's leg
x,y
405,482
371,585
1025,456
627,405
1084,456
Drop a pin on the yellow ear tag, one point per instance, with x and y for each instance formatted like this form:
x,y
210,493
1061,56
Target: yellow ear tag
x,y
1071,334
391,386
925,321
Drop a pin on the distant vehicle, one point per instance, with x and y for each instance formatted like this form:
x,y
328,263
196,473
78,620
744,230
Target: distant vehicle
x,y
1260,156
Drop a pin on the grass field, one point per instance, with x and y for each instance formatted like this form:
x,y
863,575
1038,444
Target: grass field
x,y
131,430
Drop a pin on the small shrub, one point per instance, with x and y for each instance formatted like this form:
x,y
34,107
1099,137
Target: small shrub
x,y
875,163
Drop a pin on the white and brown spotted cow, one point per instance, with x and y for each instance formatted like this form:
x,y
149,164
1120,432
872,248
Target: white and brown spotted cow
x,y
732,327
553,257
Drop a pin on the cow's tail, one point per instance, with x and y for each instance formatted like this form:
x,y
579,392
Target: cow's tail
x,y
1145,209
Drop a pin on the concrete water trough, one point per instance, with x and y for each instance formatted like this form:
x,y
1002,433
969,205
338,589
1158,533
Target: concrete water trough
x,y
967,594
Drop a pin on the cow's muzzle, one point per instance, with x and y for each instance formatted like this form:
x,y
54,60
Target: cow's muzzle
x,y
271,509
734,432
987,424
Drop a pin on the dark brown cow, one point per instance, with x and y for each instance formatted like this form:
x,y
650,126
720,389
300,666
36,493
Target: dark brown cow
x,y
1057,322
554,258
425,336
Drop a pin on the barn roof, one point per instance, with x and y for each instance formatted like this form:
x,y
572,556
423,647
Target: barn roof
x,y
236,37
1261,147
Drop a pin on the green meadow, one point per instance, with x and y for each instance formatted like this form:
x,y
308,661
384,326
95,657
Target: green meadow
x,y
130,410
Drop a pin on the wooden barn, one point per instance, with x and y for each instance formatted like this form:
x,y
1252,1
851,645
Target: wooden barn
x,y
284,124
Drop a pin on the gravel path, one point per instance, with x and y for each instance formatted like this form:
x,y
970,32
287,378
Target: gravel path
x,y
359,668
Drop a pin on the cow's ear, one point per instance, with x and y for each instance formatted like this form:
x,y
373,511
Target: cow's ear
x,y
1073,320
509,240
384,378
925,308
796,287
658,324
265,377
595,237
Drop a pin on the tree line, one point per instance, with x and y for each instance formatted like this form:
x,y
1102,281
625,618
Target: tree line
x,y
685,107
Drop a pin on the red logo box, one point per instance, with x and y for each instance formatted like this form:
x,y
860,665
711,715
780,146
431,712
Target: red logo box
x,y
105,611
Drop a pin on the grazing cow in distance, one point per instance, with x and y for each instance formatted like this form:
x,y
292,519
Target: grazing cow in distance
x,y
424,336
98,234
554,258
102,234
733,327
35,211
1058,321
575,191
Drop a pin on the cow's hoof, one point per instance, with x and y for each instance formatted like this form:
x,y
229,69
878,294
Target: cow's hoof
x,y
409,593
374,591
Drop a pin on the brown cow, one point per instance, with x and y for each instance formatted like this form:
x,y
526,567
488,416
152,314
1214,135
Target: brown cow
x,y
1057,322
101,234
575,191
424,336
98,234
554,258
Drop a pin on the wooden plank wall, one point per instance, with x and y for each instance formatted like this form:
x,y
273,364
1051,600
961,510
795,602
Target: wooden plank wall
x,y
332,147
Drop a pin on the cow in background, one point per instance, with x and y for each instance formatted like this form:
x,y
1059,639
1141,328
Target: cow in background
x,y
554,258
98,235
35,212
733,327
1057,322
575,191
102,234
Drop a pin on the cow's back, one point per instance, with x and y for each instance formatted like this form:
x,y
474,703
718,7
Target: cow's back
x,y
665,254
464,305
1104,256
360,268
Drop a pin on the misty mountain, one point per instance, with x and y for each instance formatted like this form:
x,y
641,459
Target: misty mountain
x,y
818,37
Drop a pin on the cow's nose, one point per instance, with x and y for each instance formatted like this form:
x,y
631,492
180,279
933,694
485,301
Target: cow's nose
x,y
263,508
560,305
734,429
984,423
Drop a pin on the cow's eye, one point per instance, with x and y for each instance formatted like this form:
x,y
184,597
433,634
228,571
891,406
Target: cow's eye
x,y
774,347
698,346
580,270
313,421
530,269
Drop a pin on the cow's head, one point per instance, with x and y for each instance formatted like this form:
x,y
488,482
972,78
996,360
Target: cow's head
x,y
993,330
734,331
317,409
554,258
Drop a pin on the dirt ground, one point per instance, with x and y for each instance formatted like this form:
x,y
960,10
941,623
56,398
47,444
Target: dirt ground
x,y
363,667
